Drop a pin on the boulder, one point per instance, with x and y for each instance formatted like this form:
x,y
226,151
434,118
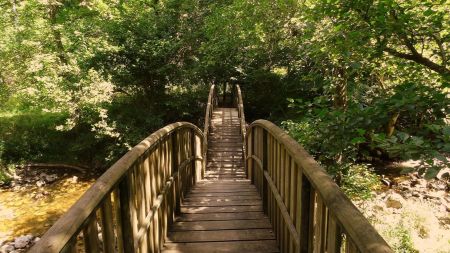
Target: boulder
x,y
74,179
51,178
40,183
394,200
22,241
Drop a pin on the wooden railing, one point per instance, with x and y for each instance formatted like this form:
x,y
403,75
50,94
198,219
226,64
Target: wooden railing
x,y
210,106
308,211
239,104
130,207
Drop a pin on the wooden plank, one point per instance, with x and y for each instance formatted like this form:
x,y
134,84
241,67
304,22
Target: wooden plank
x,y
224,190
225,209
218,204
266,246
221,199
225,184
220,225
222,194
221,235
221,216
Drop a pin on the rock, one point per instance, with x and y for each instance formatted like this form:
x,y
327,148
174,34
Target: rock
x,y
36,240
419,183
22,241
51,178
74,180
415,194
6,248
424,232
378,208
395,200
407,194
444,220
435,195
40,183
443,174
447,207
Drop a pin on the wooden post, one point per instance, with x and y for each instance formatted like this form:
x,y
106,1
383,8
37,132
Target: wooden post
x,y
107,225
305,217
251,148
199,170
174,171
125,213
264,181
90,234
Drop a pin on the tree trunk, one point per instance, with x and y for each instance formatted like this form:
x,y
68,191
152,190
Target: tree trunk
x,y
390,128
340,92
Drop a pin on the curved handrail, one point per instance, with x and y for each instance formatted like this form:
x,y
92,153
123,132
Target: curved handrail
x,y
240,105
158,171
210,106
302,199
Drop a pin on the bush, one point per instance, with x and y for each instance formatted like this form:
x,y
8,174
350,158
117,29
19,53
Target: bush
x,y
359,181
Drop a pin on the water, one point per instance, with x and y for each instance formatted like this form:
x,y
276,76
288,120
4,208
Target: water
x,y
33,210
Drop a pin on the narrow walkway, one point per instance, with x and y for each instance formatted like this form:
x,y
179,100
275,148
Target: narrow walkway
x,y
223,213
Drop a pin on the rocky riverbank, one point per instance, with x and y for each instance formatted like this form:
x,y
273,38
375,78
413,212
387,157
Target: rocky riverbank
x,y
33,201
413,214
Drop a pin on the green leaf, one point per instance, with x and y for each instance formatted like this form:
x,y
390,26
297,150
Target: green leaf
x,y
361,131
428,12
358,140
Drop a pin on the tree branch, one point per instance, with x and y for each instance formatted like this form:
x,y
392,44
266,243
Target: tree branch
x,y
418,58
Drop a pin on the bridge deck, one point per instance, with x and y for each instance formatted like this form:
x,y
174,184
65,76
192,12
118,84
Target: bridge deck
x,y
223,213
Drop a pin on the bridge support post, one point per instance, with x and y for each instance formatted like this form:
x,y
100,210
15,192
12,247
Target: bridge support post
x,y
197,153
175,170
264,180
125,214
250,149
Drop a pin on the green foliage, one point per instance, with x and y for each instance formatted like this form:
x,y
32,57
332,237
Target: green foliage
x,y
115,71
404,242
359,181
358,131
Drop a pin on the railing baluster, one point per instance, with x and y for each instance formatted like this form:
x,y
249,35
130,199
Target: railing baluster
x,y
142,205
174,171
127,232
90,233
264,162
334,236
118,219
107,225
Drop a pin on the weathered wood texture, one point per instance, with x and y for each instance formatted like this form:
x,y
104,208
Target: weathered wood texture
x,y
308,211
222,213
131,206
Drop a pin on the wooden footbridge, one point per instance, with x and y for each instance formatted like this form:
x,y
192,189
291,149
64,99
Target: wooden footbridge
x,y
228,188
